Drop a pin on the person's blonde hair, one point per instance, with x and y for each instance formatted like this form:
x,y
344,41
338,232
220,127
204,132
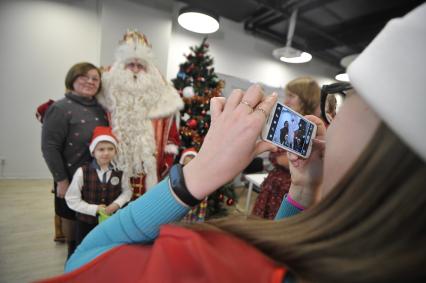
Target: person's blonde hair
x,y
370,228
309,92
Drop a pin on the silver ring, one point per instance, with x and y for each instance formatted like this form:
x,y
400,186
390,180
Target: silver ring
x,y
258,108
248,104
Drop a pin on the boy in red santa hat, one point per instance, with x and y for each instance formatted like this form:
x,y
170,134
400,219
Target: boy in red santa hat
x,y
143,106
187,155
97,186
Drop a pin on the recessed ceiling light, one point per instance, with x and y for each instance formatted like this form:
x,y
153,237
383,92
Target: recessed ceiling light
x,y
198,20
343,77
289,54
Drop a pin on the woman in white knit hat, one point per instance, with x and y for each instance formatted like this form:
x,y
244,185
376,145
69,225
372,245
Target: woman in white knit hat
x,y
369,226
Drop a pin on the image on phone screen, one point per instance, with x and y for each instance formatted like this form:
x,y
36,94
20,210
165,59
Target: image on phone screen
x,y
290,131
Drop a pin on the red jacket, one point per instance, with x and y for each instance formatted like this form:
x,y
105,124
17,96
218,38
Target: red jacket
x,y
180,255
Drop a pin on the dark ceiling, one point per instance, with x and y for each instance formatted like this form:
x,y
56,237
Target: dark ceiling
x,y
328,29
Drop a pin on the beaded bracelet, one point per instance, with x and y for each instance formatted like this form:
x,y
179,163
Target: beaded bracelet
x,y
294,203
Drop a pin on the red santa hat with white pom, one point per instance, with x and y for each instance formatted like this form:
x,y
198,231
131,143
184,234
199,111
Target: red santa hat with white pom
x,y
187,152
102,134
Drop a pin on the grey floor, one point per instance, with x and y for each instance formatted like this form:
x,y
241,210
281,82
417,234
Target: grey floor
x,y
27,249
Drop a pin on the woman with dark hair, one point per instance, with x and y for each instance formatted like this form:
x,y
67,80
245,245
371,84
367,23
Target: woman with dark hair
x,y
368,227
67,129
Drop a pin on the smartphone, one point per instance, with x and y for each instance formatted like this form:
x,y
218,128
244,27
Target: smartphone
x,y
289,130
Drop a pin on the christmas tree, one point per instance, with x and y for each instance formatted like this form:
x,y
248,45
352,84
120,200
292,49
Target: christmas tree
x,y
197,83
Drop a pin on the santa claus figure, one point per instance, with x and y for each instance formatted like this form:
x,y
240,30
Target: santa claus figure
x,y
142,107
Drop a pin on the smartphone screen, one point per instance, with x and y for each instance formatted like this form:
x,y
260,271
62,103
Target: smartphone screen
x,y
291,131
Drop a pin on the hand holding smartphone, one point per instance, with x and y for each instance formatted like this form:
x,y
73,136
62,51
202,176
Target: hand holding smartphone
x,y
289,130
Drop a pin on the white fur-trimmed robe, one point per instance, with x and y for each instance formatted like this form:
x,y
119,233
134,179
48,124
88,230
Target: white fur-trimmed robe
x,y
145,125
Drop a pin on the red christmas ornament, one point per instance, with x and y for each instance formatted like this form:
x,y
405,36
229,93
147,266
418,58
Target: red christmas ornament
x,y
230,201
192,123
221,197
189,69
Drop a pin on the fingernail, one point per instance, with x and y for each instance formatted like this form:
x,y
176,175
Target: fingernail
x,y
272,96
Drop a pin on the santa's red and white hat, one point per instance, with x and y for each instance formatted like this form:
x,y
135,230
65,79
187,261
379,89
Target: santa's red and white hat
x,y
100,134
187,152
134,45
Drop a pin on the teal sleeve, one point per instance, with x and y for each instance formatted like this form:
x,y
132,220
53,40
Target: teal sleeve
x,y
139,222
286,210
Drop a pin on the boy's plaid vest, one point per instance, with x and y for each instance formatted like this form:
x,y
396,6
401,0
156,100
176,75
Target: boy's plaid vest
x,y
94,192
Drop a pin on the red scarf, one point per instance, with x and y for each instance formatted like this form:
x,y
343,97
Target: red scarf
x,y
180,255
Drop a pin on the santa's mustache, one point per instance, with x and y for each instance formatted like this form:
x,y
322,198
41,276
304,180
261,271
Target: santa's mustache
x,y
145,87
127,80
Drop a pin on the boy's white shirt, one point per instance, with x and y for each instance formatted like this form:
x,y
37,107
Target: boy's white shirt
x,y
76,203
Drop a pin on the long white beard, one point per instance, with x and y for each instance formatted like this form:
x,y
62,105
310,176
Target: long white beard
x,y
144,87
129,100
159,97
133,102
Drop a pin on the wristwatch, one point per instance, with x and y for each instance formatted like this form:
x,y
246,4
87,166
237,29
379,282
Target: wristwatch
x,y
177,184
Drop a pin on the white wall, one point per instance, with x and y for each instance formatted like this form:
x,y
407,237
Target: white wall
x,y
118,16
40,40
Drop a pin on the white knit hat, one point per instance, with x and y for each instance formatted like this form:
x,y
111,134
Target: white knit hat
x,y
101,134
390,75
